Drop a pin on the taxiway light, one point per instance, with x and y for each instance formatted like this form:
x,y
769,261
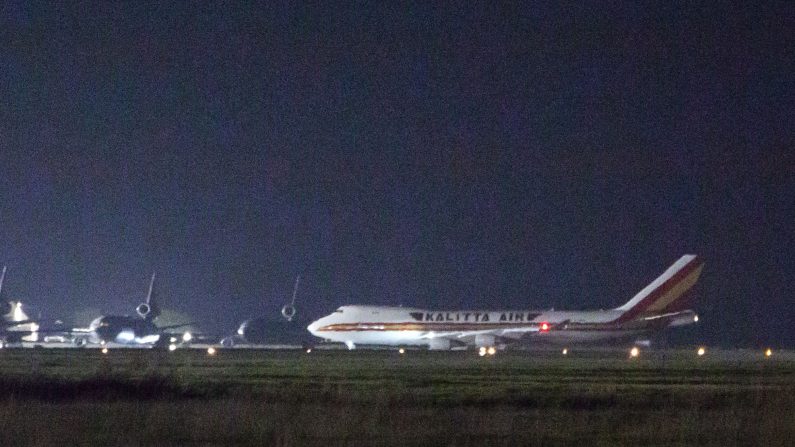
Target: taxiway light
x,y
210,351
187,336
491,351
401,351
701,351
104,350
544,327
565,351
172,347
634,352
768,352
482,351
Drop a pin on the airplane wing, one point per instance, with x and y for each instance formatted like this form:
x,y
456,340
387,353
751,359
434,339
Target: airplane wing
x,y
509,334
16,323
174,326
671,319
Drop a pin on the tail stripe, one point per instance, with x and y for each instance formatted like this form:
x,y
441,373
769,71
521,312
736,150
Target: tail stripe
x,y
676,291
665,290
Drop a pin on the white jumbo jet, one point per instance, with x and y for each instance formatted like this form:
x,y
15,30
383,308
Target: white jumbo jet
x,y
663,303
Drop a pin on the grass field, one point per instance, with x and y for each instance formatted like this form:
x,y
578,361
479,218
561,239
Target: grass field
x,y
240,397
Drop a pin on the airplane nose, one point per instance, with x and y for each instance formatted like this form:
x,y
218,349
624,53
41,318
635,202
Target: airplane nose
x,y
313,327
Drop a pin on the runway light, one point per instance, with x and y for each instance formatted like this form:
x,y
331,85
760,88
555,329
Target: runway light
x,y
695,318
492,350
401,351
210,351
172,347
187,336
173,339
104,350
308,350
768,352
482,351
544,327
701,351
634,352
565,351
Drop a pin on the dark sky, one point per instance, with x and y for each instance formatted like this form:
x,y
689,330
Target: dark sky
x,y
471,155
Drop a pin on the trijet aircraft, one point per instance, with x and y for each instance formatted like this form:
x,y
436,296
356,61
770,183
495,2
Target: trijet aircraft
x,y
287,330
129,330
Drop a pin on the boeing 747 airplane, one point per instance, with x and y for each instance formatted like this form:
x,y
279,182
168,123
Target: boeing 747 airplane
x,y
660,305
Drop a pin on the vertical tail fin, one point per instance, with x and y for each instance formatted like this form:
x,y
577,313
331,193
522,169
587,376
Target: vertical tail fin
x,y
149,310
665,293
2,278
288,311
151,286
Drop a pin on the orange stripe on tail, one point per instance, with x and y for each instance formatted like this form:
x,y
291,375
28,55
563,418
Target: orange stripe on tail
x,y
664,293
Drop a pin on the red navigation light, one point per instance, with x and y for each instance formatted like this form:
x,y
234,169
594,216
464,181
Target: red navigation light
x,y
544,327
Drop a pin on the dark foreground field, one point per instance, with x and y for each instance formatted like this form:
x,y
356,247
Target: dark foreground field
x,y
132,397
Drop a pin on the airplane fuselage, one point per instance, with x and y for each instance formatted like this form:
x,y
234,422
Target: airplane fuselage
x,y
124,330
398,326
271,331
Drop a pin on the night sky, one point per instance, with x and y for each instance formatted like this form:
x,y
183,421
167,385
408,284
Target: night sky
x,y
457,156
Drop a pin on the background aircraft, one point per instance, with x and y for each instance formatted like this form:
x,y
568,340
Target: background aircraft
x,y
659,305
15,326
125,330
274,330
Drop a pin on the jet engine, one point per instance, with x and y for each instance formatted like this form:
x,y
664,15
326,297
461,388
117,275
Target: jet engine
x,y
439,344
484,341
144,310
288,312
